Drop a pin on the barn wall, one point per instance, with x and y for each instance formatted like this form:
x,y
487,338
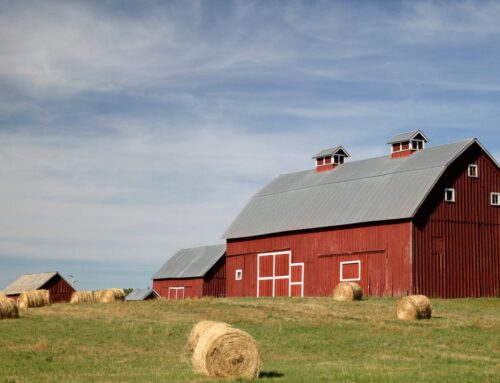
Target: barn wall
x,y
384,251
60,290
457,245
214,282
193,288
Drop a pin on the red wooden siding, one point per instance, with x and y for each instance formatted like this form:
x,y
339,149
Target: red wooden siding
x,y
215,281
384,251
60,290
193,288
213,284
457,245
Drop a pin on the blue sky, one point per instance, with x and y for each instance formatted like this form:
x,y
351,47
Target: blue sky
x,y
129,130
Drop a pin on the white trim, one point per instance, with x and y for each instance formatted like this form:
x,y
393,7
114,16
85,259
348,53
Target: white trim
x,y
495,194
417,141
275,277
301,283
342,279
177,289
453,196
472,166
238,274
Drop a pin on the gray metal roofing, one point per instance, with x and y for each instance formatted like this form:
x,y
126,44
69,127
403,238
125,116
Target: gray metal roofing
x,y
194,262
375,189
330,152
28,282
140,294
405,137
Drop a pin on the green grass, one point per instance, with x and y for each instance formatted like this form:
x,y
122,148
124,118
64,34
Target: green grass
x,y
302,340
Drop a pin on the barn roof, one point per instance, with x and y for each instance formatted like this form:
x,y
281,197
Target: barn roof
x,y
140,294
330,152
194,262
375,189
27,282
401,137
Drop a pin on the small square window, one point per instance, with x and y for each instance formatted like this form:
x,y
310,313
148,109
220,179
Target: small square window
x,y
238,275
495,199
449,195
320,161
473,171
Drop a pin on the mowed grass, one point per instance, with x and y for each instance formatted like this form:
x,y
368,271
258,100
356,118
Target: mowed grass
x,y
302,340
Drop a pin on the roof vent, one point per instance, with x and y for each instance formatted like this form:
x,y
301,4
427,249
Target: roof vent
x,y
328,159
405,144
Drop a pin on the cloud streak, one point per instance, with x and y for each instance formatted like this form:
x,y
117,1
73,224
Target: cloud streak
x,y
130,130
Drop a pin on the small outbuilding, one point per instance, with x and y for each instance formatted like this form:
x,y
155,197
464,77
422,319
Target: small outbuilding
x,y
193,273
60,290
142,295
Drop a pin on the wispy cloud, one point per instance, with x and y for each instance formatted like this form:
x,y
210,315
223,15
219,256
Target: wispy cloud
x,y
129,130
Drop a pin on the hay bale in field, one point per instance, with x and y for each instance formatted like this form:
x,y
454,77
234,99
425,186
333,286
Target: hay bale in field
x,y
347,291
35,298
225,352
8,308
82,297
199,329
109,295
414,307
2,295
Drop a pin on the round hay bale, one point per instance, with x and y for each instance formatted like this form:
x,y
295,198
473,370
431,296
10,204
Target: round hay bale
x,y
414,307
35,298
347,291
110,295
201,328
225,352
8,308
82,297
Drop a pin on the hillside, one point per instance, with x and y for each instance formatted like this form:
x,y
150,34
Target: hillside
x,y
302,340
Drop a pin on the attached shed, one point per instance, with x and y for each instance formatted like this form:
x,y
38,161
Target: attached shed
x,y
193,273
142,295
60,290
419,220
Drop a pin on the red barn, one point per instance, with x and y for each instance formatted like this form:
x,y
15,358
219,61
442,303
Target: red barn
x,y
420,220
60,290
193,273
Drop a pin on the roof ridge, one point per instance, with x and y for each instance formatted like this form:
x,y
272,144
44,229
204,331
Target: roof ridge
x,y
377,157
349,180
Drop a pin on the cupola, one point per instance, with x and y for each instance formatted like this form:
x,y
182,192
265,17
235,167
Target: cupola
x,y
328,159
405,144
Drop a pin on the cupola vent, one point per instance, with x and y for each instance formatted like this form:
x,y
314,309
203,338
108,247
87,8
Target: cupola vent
x,y
328,159
405,144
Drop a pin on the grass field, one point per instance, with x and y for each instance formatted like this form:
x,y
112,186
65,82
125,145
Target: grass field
x,y
302,340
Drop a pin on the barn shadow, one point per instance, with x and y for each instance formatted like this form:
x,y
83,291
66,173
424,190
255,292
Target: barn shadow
x,y
270,374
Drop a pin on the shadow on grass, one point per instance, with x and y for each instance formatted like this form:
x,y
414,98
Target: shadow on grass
x,y
270,374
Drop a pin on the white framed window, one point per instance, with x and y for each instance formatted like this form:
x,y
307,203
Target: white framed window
x,y
320,161
449,195
347,268
472,171
495,199
338,159
417,144
238,274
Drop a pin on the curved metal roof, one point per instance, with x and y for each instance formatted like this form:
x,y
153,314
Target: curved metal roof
x,y
375,189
